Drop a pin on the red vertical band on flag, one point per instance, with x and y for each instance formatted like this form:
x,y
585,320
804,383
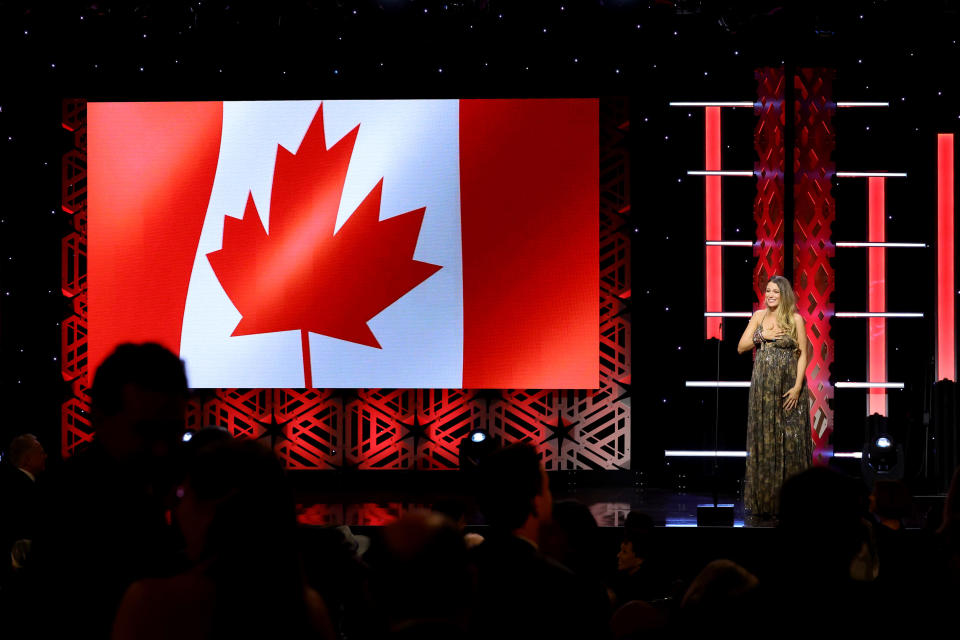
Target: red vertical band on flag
x,y
150,169
946,306
529,202
714,228
877,298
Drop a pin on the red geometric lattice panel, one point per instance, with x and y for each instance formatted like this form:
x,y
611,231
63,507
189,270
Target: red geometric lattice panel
x,y
73,342
374,435
813,248
75,428
242,412
74,181
768,141
73,264
311,421
448,416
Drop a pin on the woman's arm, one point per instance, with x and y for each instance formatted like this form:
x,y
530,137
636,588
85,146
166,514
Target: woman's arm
x,y
792,396
746,340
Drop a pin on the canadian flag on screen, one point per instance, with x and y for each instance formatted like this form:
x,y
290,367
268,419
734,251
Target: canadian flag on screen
x,y
382,243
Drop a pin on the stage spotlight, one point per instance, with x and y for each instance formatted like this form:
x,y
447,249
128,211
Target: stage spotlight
x,y
187,436
474,446
882,452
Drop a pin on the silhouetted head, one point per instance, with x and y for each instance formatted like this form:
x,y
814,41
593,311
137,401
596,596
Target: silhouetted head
x,y
25,452
820,504
514,491
237,516
890,500
421,572
139,399
235,494
718,587
637,543
573,537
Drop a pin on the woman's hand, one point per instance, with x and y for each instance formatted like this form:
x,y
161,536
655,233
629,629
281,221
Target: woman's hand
x,y
792,397
774,334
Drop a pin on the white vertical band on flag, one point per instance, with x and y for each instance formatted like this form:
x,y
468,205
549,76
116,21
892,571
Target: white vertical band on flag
x,y
248,151
413,146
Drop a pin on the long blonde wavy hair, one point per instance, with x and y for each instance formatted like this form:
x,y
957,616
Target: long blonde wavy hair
x,y
787,307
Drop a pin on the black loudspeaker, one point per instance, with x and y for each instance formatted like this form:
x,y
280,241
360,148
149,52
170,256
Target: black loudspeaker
x,y
944,449
715,516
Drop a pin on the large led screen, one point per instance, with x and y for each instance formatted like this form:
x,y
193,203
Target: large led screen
x,y
369,244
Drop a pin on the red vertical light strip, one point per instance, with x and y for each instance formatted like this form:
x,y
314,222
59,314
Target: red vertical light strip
x,y
714,231
946,319
877,299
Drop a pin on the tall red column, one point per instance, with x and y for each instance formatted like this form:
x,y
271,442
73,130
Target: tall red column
x,y
876,296
946,302
813,250
714,226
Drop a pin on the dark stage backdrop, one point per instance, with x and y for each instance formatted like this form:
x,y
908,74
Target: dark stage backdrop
x,y
897,51
398,428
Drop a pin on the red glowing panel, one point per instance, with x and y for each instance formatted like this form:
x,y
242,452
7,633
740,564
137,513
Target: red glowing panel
x,y
877,298
366,244
714,227
946,305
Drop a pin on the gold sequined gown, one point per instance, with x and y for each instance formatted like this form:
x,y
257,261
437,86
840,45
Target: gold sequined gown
x,y
779,442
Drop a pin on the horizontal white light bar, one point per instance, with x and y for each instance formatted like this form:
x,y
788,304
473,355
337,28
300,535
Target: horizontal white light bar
x,y
897,245
727,314
870,174
729,243
743,103
863,104
877,314
714,384
719,172
868,385
704,454
851,454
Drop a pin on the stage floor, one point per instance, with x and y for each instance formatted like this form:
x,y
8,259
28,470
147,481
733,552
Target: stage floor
x,y
609,505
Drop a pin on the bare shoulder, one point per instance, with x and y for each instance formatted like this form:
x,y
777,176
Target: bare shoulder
x,y
798,319
757,315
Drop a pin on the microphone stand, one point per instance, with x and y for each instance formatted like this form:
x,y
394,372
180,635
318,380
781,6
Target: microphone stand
x,y
716,427
715,515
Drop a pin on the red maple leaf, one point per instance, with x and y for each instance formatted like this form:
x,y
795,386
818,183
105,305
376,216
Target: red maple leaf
x,y
303,276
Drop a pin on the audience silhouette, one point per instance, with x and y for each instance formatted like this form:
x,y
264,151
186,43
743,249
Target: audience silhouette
x,y
104,522
146,535
24,460
236,513
521,592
